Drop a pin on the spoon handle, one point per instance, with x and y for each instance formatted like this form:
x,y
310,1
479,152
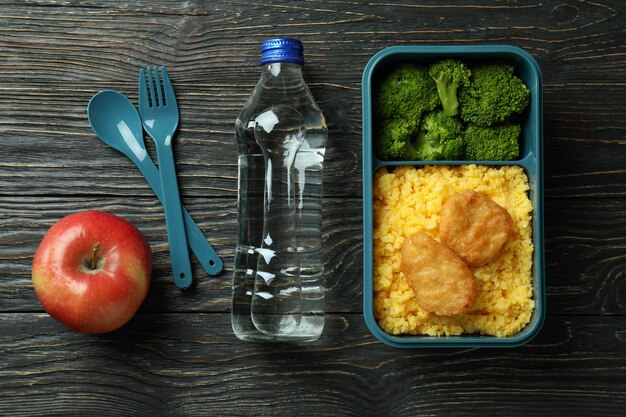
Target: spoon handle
x,y
208,258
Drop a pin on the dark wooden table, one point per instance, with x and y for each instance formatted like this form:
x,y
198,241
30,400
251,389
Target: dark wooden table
x,y
178,355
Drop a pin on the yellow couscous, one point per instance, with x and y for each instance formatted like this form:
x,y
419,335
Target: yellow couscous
x,y
408,200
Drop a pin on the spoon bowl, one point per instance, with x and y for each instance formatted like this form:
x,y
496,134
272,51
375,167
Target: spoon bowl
x,y
116,121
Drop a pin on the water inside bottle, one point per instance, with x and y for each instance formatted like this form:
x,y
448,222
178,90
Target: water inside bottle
x,y
276,300
280,85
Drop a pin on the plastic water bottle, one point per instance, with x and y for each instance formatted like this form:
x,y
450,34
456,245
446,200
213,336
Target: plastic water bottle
x,y
278,283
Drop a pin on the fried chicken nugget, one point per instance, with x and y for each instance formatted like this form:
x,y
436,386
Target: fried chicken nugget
x,y
442,283
474,226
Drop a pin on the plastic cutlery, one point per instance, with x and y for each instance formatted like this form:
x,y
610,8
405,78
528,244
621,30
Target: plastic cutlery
x,y
159,114
116,122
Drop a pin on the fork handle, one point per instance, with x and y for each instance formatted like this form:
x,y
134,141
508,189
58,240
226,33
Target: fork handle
x,y
176,237
196,240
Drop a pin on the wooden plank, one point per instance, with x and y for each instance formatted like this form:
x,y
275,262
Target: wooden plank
x,y
24,221
585,257
59,154
57,57
584,251
583,157
191,364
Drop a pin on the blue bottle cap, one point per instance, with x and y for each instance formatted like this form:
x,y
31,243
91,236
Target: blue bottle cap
x,y
282,50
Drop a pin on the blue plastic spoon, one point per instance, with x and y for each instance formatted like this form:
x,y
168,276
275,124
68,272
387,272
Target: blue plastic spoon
x,y
117,123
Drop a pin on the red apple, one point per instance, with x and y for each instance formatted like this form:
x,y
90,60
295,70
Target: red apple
x,y
92,271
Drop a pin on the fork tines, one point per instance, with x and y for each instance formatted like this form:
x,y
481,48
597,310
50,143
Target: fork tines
x,y
164,92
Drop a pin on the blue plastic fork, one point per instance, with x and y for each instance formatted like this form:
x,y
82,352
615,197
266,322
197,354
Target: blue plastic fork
x,y
159,115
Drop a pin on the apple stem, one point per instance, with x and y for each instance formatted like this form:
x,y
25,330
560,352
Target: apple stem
x,y
95,255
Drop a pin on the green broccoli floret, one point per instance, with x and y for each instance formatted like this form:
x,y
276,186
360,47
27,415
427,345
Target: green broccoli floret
x,y
394,139
406,93
449,75
493,95
493,143
440,137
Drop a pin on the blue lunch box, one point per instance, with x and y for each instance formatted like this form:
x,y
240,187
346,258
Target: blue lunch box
x,y
531,159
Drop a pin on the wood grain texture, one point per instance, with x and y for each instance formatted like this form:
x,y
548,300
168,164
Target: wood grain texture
x,y
56,55
178,356
191,365
585,257
24,221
